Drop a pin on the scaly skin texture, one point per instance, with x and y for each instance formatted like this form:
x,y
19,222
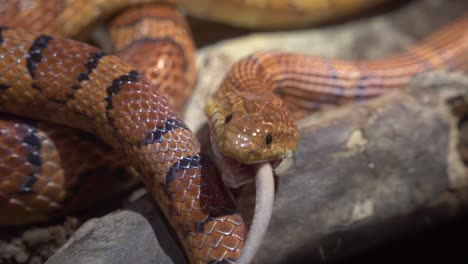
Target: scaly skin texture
x,y
61,17
123,109
49,170
161,47
157,41
251,124
76,85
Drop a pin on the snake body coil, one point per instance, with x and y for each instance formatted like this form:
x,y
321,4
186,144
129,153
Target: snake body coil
x,y
54,79
68,18
250,123
70,83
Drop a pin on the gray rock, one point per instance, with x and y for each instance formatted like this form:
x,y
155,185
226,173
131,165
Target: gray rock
x,y
120,237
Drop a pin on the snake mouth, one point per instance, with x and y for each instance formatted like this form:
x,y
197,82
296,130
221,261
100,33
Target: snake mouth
x,y
234,173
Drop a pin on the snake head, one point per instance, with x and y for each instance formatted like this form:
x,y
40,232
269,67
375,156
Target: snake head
x,y
252,128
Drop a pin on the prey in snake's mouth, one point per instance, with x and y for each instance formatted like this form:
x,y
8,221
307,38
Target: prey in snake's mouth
x,y
246,130
234,173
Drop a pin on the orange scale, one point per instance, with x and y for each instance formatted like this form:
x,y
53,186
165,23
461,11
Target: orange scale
x,y
14,161
5,170
54,206
16,204
186,206
135,106
54,171
126,108
230,243
198,241
146,106
178,196
224,228
10,142
40,202
173,145
144,116
186,184
22,150
169,157
58,181
232,254
16,53
239,229
9,186
235,219
210,226
218,254
167,137
48,150
214,239
204,253
53,191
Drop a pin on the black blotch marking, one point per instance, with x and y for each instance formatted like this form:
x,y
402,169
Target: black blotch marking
x,y
90,65
4,87
2,28
228,119
35,55
26,187
131,77
200,226
269,139
159,131
33,141
183,164
34,158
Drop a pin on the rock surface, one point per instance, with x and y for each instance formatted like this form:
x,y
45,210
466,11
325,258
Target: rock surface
x,y
120,237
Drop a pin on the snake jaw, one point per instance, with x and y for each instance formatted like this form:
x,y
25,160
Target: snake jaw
x,y
233,173
247,129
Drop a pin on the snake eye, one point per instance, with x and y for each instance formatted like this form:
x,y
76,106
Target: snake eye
x,y
228,119
268,139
